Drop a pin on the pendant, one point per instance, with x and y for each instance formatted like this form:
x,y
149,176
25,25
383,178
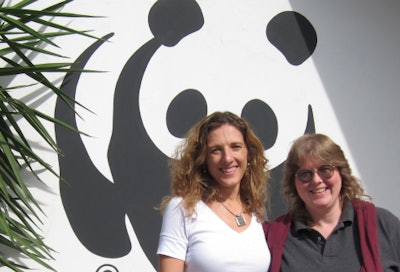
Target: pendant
x,y
240,221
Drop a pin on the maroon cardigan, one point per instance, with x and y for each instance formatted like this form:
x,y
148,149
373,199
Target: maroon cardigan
x,y
277,230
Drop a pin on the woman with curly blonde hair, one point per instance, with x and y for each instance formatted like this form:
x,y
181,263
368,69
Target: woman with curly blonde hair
x,y
331,224
212,219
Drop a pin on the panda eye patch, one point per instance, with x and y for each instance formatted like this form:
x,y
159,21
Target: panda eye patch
x,y
263,120
186,109
293,35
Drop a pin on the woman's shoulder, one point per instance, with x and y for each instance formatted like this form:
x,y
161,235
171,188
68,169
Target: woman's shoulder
x,y
388,225
174,203
386,216
280,224
175,200
383,215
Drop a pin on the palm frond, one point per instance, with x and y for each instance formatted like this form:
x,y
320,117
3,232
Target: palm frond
x,y
27,32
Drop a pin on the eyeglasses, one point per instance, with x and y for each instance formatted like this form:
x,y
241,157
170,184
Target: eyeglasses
x,y
324,171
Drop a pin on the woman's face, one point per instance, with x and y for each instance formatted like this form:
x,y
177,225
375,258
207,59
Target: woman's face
x,y
320,193
226,156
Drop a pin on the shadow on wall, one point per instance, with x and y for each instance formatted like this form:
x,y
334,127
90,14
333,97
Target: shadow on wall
x,y
358,62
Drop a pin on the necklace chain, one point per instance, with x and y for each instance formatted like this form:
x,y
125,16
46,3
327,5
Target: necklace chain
x,y
230,210
240,220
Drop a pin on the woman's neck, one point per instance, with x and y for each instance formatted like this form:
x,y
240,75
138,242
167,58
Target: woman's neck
x,y
325,221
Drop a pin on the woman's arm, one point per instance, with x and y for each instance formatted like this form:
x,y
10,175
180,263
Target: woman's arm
x,y
169,264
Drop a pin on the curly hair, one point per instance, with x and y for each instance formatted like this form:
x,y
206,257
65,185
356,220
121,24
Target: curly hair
x,y
320,148
191,180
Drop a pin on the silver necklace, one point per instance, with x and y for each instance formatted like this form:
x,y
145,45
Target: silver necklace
x,y
240,220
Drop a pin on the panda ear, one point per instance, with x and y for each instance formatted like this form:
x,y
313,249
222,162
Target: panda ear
x,y
293,35
172,20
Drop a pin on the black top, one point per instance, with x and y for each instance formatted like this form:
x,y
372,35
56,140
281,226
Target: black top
x,y
307,250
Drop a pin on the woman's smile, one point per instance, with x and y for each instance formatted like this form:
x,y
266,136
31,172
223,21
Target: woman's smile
x,y
226,156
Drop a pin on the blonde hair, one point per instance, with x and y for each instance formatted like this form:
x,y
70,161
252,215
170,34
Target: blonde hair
x,y
320,148
191,180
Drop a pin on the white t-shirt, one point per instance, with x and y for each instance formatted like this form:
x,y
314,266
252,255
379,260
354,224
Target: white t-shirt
x,y
208,244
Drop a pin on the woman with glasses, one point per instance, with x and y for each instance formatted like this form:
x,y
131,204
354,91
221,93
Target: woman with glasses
x,y
331,224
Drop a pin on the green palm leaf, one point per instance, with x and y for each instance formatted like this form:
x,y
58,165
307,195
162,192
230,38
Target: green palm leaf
x,y
27,32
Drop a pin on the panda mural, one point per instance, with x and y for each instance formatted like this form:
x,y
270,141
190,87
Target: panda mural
x,y
137,164
196,57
